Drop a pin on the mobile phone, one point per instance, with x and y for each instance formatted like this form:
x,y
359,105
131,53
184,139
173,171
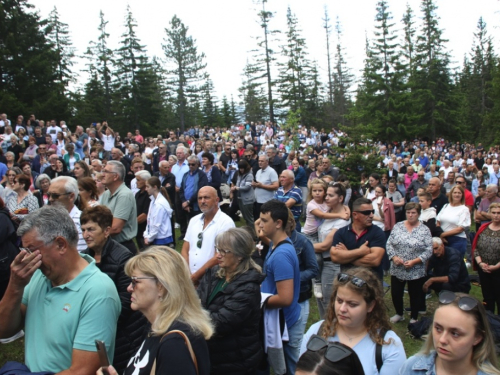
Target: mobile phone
x,y
103,356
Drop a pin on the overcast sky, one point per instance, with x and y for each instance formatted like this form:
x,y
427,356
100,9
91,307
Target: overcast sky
x,y
225,30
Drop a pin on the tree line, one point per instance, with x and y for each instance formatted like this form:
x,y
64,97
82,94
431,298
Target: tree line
x,y
408,86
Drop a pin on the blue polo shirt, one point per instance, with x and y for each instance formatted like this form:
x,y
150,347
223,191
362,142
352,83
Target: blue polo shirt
x,y
373,234
282,264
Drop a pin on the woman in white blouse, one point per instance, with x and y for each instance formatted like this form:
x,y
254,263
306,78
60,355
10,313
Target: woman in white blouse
x,y
159,229
453,219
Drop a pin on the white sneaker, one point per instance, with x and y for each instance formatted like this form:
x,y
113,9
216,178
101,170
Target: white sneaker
x,y
318,293
413,321
177,226
13,338
468,265
397,318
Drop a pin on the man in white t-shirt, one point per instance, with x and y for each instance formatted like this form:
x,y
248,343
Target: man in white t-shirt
x,y
199,242
52,130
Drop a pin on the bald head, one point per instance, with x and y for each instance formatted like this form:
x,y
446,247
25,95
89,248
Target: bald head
x,y
208,200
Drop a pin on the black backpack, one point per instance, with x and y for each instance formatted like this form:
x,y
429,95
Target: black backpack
x,y
420,328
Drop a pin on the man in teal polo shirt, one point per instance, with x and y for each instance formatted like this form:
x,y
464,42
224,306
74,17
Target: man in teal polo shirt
x,y
60,298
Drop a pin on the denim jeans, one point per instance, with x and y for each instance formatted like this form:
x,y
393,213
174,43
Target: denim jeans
x,y
292,347
458,243
328,275
304,316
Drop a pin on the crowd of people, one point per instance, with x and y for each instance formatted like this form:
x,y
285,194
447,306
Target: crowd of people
x,y
88,225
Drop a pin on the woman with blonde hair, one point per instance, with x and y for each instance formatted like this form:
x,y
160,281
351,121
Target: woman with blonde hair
x,y
162,290
459,342
231,294
453,219
357,317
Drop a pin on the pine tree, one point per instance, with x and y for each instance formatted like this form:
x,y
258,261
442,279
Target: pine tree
x,y
434,96
58,33
187,66
252,94
28,71
101,61
267,58
294,71
342,82
210,110
381,94
131,61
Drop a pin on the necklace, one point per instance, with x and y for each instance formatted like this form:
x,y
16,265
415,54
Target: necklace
x,y
353,337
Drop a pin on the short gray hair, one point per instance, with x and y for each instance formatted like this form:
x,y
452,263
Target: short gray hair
x,y
493,187
50,222
194,158
118,168
10,153
163,161
70,185
145,175
288,173
40,178
183,148
174,158
437,240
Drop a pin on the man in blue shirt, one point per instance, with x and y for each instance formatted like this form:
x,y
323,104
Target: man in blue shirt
x,y
282,276
360,244
192,181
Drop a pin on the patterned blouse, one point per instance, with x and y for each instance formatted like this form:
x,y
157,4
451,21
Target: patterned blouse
x,y
408,246
25,207
488,246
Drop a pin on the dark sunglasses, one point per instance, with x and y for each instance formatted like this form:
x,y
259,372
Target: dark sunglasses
x,y
56,196
335,351
366,212
192,164
200,240
465,303
356,281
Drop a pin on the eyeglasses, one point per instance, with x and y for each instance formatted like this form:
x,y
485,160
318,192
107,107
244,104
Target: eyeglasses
x,y
335,351
460,182
222,252
356,281
30,251
200,240
133,280
465,303
192,164
366,212
56,196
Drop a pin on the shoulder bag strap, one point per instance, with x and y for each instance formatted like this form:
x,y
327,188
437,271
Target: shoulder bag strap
x,y
188,344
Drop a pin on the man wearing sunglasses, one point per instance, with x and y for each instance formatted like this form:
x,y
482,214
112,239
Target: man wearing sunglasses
x,y
63,191
199,244
360,243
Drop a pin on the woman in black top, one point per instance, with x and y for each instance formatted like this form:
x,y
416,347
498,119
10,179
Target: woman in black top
x,y
162,290
231,294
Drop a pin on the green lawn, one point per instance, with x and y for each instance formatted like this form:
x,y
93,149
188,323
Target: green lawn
x,y
15,351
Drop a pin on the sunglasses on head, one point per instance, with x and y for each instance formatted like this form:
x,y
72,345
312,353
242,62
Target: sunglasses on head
x,y
465,303
366,212
356,281
335,351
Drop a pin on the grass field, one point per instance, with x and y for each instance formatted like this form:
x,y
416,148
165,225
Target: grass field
x,y
15,351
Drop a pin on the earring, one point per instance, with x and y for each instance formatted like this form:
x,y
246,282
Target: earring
x,y
161,298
